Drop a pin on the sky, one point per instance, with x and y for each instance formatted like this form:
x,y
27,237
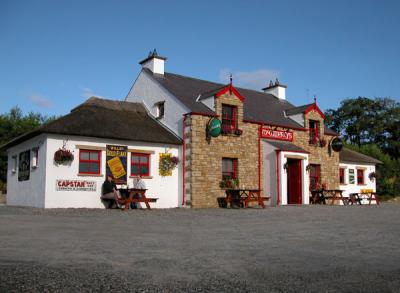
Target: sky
x,y
56,54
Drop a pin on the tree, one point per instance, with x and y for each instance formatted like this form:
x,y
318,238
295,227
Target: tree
x,y
13,124
368,121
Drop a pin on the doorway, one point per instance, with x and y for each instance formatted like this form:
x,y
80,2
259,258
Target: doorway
x,y
294,182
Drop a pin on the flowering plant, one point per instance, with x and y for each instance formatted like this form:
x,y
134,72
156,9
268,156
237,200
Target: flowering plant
x,y
228,130
229,183
167,164
313,140
63,156
322,142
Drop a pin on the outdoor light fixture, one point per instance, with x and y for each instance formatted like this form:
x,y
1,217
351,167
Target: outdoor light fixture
x,y
286,166
308,168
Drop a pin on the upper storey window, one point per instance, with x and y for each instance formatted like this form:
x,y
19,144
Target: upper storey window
x,y
229,118
313,131
160,106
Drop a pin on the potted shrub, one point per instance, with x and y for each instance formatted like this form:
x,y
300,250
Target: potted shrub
x,y
167,164
63,156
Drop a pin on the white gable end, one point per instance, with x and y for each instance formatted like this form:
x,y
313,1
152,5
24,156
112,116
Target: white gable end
x,y
149,92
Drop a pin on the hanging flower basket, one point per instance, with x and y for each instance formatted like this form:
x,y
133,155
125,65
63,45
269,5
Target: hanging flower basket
x,y
167,164
229,183
372,176
322,142
63,156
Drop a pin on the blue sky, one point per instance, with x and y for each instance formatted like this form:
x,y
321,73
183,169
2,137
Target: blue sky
x,y
55,54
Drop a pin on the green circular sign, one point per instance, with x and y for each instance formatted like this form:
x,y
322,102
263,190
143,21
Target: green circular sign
x,y
214,127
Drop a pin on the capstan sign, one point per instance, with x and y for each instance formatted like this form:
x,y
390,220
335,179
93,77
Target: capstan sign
x,y
75,185
276,134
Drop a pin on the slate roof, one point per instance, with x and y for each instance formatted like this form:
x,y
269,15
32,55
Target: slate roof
x,y
258,106
349,156
286,146
106,119
297,110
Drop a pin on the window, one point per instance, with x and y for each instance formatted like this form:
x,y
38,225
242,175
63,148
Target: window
x,y
229,168
229,118
351,176
360,176
14,164
140,164
89,161
314,131
160,109
315,176
341,176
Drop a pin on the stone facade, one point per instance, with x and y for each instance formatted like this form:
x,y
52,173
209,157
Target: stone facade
x,y
203,157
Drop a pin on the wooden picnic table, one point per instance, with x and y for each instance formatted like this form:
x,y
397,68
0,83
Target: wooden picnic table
x,y
242,197
370,196
133,198
320,196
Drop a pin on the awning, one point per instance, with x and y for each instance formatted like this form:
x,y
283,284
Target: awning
x,y
285,146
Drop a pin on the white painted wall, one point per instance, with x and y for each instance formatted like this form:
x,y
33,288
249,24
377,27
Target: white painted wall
x,y
284,156
155,65
167,189
277,91
353,188
147,91
299,118
209,102
32,191
271,177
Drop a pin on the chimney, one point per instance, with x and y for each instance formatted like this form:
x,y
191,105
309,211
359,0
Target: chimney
x,y
154,62
276,89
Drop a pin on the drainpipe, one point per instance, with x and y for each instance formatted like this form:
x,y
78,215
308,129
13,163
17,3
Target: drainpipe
x,y
183,159
259,158
278,199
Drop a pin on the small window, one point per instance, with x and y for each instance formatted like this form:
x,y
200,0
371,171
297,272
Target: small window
x,y
229,118
229,168
315,176
341,175
140,164
160,106
89,161
360,176
313,131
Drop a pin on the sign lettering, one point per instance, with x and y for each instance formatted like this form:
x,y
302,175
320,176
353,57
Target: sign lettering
x,y
276,134
75,185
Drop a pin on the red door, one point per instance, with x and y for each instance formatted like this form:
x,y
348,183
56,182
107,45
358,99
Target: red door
x,y
294,186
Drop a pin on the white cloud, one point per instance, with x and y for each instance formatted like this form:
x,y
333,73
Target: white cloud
x,y
88,93
40,101
256,79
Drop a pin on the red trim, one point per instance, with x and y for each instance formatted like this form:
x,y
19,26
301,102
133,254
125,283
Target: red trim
x,y
81,151
140,164
201,114
233,173
278,183
341,175
362,176
229,123
275,125
231,89
259,159
314,107
183,160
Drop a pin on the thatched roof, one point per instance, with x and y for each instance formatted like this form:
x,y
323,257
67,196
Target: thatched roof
x,y
349,156
106,119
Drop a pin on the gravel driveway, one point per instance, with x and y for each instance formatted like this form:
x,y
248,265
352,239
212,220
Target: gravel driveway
x,y
282,249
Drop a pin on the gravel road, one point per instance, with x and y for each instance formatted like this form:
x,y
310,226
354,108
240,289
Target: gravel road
x,y
282,249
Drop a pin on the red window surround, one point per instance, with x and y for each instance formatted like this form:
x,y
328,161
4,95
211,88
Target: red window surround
x,y
229,168
140,164
360,176
314,131
89,161
229,118
341,175
315,177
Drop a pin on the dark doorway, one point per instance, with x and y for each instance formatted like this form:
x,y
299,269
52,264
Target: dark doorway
x,y
294,180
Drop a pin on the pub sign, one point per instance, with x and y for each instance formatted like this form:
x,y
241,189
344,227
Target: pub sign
x,y
276,134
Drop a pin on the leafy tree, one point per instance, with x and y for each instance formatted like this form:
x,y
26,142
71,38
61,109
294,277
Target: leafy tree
x,y
13,124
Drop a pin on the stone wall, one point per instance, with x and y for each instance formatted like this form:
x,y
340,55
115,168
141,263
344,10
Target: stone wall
x,y
206,156
203,159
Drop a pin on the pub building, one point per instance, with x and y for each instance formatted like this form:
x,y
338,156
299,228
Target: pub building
x,y
224,136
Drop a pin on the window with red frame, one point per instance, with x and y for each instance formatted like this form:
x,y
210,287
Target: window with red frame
x,y
229,118
360,176
341,175
229,168
315,177
140,164
314,131
89,161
